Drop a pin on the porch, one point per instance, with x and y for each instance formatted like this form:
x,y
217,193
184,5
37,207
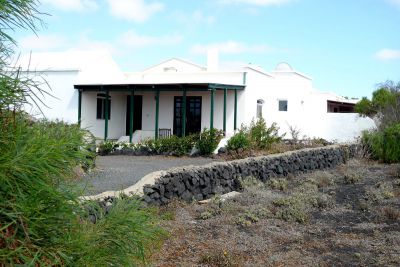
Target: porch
x,y
114,110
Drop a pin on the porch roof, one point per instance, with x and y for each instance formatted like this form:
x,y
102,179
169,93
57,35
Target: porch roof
x,y
158,87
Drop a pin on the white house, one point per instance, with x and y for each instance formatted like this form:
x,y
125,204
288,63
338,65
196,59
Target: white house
x,y
179,97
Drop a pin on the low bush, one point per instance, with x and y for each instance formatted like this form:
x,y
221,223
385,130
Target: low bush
x,y
279,184
240,140
262,136
208,141
106,147
384,145
258,137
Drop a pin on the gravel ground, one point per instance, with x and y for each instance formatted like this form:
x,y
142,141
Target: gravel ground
x,y
119,172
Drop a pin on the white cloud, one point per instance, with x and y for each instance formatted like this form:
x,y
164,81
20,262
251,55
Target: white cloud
x,y
388,54
42,42
197,17
134,40
134,10
72,5
257,2
232,47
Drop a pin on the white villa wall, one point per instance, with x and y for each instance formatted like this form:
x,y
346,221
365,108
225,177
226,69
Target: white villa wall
x,y
117,122
307,107
62,103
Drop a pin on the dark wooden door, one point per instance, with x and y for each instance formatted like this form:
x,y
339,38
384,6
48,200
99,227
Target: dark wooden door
x,y
137,113
193,115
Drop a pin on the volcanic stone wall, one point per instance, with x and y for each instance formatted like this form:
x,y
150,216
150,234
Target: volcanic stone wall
x,y
202,182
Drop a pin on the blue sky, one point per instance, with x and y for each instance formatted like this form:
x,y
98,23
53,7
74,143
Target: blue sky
x,y
346,46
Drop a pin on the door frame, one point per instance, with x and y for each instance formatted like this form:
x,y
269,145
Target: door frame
x,y
138,111
177,130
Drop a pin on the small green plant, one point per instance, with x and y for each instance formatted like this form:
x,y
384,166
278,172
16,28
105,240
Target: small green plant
x,y
262,136
240,140
220,259
208,141
351,178
278,184
250,182
293,208
106,147
247,219
205,215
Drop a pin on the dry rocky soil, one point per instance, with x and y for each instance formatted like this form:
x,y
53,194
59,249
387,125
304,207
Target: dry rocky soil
x,y
347,216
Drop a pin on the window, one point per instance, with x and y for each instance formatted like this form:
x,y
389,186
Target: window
x,y
101,106
283,105
260,104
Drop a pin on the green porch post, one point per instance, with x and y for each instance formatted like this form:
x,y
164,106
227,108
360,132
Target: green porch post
x,y
224,125
184,113
131,111
235,113
157,111
79,107
212,109
106,116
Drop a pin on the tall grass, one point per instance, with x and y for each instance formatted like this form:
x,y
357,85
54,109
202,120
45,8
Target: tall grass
x,y
41,221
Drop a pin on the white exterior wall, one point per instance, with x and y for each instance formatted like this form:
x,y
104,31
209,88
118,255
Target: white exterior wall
x,y
62,103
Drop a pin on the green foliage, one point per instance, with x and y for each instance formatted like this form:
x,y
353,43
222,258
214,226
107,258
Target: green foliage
x,y
176,145
365,107
240,140
257,136
384,145
209,140
123,237
106,147
42,222
279,184
384,106
262,136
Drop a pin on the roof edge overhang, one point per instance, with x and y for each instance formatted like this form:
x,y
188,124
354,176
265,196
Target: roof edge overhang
x,y
158,87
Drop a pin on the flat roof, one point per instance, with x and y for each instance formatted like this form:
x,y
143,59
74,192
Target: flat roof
x,y
158,87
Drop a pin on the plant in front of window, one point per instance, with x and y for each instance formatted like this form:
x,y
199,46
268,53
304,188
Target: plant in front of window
x,y
209,140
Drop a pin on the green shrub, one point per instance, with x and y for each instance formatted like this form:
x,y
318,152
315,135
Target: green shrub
x,y
106,147
209,140
123,237
279,184
240,140
384,145
262,136
42,223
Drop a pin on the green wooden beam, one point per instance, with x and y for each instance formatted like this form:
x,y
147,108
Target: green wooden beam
x,y
212,109
235,113
106,117
184,113
79,107
131,110
157,112
224,125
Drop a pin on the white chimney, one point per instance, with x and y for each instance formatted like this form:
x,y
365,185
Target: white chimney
x,y
212,59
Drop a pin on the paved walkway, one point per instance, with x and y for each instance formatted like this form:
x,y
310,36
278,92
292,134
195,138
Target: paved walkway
x,y
119,172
